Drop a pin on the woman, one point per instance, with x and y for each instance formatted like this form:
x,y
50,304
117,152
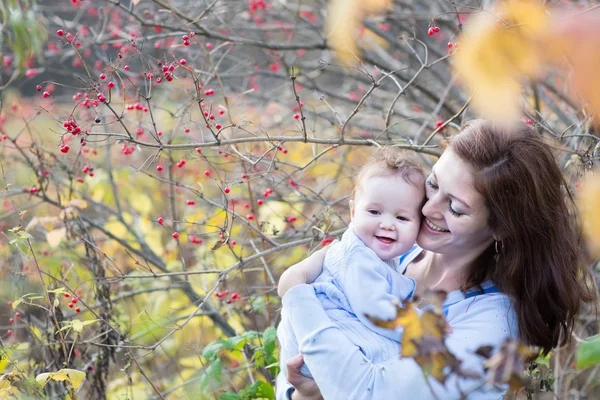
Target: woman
x,y
497,236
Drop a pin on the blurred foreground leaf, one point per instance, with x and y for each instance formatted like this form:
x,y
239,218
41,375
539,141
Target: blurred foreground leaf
x,y
344,22
497,50
588,352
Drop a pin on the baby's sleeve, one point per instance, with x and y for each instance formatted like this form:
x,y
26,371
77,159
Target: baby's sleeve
x,y
366,284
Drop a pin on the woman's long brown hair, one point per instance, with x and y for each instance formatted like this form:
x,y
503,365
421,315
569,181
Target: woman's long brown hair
x,y
539,263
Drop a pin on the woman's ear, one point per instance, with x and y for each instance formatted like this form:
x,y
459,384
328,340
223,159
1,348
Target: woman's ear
x,y
351,203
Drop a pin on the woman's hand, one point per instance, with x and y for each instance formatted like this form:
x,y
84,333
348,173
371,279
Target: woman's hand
x,y
306,388
306,271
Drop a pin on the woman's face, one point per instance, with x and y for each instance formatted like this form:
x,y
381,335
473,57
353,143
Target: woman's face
x,y
455,215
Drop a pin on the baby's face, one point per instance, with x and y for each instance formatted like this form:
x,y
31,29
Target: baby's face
x,y
386,213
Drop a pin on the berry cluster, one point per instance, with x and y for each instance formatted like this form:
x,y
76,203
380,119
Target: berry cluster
x,y
73,302
234,296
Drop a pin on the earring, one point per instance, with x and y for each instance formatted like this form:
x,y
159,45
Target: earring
x,y
498,246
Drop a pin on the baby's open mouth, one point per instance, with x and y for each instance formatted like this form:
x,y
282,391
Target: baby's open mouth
x,y
384,239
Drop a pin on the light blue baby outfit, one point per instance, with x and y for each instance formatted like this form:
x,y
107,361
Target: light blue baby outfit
x,y
355,282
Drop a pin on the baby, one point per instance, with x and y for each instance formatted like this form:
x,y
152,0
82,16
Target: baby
x,y
360,272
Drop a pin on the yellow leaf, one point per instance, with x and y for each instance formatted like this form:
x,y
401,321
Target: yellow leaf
x,y
576,40
344,21
79,203
73,376
56,236
590,213
77,325
141,203
496,51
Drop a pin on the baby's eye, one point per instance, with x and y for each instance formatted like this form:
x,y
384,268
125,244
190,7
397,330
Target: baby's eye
x,y
373,212
401,218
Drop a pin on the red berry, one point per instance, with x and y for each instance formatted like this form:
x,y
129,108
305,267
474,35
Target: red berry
x,y
67,295
18,315
103,76
160,220
182,61
46,94
296,116
74,300
60,32
207,172
38,88
185,37
437,29
11,320
209,46
159,168
111,84
450,45
9,332
250,217
175,235
190,202
227,190
78,310
71,305
209,92
431,31
260,202
218,126
198,149
64,148
126,68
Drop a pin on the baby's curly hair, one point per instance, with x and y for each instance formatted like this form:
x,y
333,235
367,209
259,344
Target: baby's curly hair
x,y
389,161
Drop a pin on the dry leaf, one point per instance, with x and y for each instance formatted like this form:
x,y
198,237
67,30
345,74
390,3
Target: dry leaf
x,y
590,213
508,364
576,39
79,203
73,376
496,51
344,21
56,236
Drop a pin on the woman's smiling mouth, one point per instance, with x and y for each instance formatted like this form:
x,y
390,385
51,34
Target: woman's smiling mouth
x,y
435,227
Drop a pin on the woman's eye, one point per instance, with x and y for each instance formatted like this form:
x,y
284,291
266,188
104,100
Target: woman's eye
x,y
456,214
431,184
373,212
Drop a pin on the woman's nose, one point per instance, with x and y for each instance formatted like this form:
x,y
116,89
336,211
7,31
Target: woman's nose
x,y
432,208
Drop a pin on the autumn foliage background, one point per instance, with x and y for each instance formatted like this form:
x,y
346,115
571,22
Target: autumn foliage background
x,y
163,162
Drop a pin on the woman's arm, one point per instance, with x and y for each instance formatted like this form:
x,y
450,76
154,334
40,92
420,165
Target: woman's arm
x,y
341,370
306,271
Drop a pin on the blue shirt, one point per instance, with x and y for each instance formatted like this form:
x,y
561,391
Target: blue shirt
x,y
342,371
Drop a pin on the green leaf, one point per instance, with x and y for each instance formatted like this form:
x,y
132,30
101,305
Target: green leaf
x,y
212,374
16,303
588,353
211,350
229,396
269,337
261,390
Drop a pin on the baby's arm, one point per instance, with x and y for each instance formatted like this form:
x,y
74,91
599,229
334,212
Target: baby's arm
x,y
365,284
